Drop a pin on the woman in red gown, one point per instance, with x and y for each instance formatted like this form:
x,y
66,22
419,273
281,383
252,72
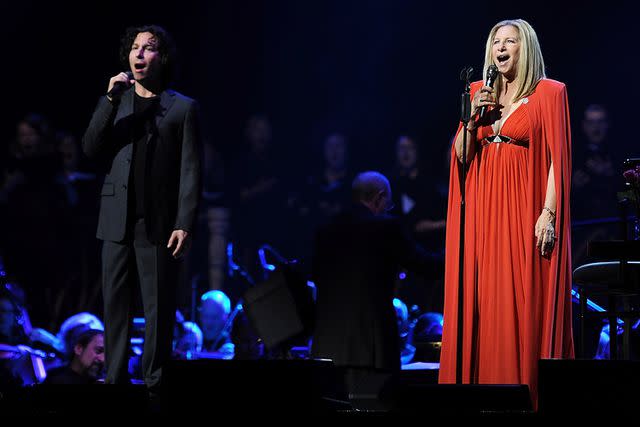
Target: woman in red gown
x,y
517,262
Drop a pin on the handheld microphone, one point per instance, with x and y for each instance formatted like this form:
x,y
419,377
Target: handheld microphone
x,y
492,74
120,86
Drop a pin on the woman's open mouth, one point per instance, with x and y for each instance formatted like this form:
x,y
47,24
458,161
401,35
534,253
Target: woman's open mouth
x,y
503,58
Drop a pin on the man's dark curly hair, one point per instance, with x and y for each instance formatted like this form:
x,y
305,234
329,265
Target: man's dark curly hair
x,y
166,48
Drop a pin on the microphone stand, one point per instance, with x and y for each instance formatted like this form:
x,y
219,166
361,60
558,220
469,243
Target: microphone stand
x,y
465,115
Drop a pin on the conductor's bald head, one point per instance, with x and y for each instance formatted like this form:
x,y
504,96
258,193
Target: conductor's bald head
x,y
372,189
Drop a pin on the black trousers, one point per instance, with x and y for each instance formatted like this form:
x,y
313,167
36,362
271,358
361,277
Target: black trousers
x,y
125,265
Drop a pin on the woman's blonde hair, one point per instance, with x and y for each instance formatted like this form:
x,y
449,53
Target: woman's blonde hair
x,y
530,68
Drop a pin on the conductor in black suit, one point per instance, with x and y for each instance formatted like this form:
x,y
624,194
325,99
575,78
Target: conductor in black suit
x,y
149,138
356,260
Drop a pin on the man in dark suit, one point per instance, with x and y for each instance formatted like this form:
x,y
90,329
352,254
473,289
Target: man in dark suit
x,y
149,137
356,260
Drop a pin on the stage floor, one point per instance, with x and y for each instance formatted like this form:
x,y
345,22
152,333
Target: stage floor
x,y
298,387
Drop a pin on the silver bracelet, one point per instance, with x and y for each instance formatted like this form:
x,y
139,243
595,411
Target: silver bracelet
x,y
553,214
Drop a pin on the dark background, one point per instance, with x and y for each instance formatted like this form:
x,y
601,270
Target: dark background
x,y
370,69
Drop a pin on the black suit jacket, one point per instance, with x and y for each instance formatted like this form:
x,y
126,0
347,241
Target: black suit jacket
x,y
173,174
356,259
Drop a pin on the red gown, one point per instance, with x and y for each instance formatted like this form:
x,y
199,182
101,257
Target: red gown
x,y
517,303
